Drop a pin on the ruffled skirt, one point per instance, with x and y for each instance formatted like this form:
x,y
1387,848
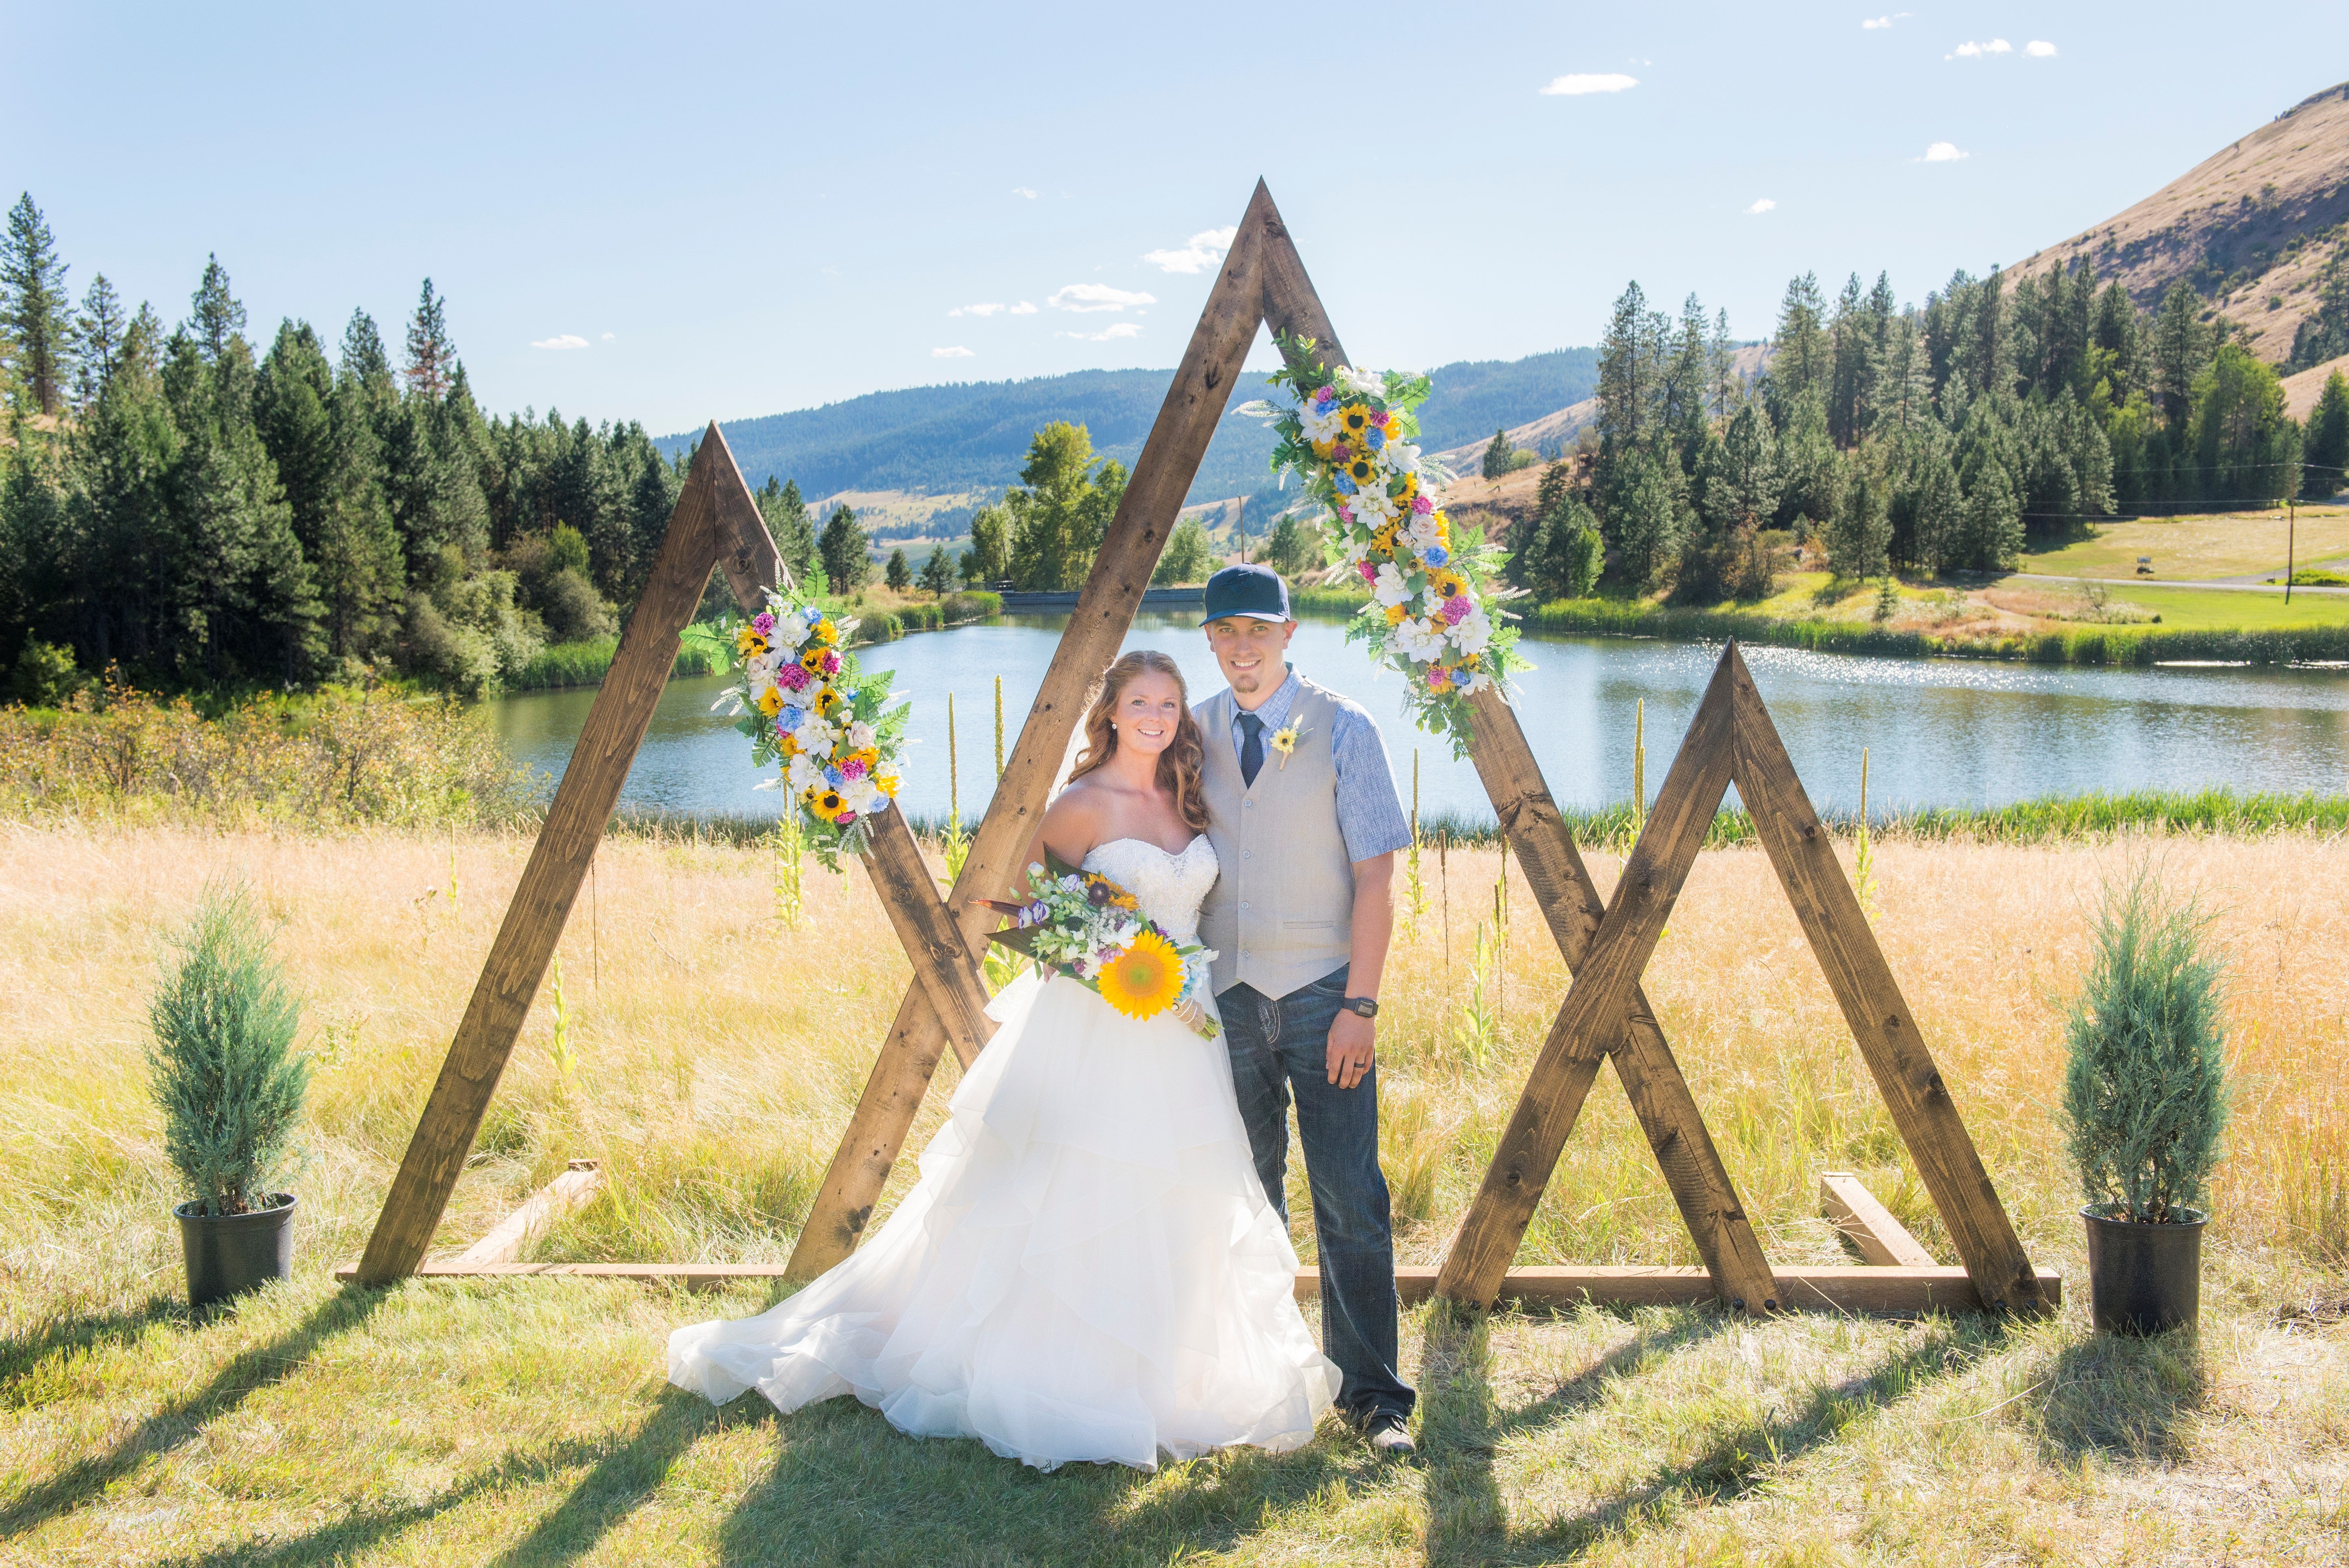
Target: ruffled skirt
x,y
1087,1269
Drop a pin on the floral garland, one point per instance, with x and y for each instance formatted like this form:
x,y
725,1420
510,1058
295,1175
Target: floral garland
x,y
1082,924
834,729
1432,610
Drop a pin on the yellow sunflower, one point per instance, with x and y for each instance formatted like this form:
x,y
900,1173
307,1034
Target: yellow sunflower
x,y
824,632
1384,538
1361,471
749,644
1354,418
1447,585
828,701
811,660
1396,613
827,804
787,747
770,701
1146,979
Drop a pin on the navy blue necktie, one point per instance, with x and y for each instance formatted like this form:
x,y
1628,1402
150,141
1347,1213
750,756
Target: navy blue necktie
x,y
1251,746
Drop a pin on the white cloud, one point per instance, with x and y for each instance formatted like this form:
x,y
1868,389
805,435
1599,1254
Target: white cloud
x,y
1941,152
1113,330
607,338
1023,308
1761,205
1023,191
1970,50
1999,46
1199,253
1083,297
957,352
2039,49
561,340
1874,23
1582,82
988,309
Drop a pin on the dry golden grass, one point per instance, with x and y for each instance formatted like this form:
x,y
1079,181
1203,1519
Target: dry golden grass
x,y
530,1422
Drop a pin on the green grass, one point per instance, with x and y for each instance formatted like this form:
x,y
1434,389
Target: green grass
x,y
2320,619
2191,549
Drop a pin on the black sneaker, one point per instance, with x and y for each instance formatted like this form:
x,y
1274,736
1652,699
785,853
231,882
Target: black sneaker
x,y
1388,1436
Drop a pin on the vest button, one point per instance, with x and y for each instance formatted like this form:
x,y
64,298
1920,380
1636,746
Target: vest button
x,y
1248,805
1243,903
1246,854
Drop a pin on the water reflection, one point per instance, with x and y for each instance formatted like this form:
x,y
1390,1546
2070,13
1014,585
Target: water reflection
x,y
1941,731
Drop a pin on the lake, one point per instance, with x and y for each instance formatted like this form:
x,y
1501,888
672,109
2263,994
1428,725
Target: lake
x,y
1941,732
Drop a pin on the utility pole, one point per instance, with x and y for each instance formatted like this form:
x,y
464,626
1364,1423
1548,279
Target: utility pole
x,y
2291,530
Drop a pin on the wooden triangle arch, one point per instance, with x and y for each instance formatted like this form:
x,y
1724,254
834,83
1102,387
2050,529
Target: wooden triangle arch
x,y
717,525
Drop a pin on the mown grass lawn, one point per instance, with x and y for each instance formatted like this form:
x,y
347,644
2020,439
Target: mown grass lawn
x,y
2188,549
530,1422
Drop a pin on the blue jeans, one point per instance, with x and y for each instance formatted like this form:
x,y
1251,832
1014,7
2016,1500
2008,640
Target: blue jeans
x,y
1279,1046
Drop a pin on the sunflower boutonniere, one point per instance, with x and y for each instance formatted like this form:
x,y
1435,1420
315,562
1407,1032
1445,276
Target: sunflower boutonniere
x,y
1284,740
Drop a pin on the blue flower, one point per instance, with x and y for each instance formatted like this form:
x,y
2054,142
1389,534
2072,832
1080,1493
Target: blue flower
x,y
832,776
1374,437
791,717
1344,482
1436,555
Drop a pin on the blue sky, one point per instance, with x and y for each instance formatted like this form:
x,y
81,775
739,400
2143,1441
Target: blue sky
x,y
676,214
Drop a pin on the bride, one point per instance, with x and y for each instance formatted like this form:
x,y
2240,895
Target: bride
x,y
1087,1268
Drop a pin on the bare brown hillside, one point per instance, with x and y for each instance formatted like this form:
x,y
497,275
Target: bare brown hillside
x,y
2249,227
2302,391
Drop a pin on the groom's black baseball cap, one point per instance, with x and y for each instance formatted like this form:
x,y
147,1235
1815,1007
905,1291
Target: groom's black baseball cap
x,y
1255,592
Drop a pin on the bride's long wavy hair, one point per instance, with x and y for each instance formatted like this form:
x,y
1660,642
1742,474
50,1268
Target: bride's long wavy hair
x,y
1180,765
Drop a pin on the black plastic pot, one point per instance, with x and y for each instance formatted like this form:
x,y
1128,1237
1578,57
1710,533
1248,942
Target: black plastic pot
x,y
228,1254
2144,1279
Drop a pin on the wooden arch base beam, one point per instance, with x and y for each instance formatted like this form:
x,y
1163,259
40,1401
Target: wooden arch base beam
x,y
1731,739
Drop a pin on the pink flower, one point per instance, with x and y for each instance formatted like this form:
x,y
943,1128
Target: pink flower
x,y
852,768
846,818
791,678
1439,678
1378,417
832,661
1343,454
763,624
1326,395
1369,573
1420,504
1456,608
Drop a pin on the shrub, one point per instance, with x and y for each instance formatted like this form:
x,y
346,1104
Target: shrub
x,y
573,612
2144,1091
44,676
230,1088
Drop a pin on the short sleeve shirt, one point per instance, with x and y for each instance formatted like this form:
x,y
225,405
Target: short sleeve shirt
x,y
1369,813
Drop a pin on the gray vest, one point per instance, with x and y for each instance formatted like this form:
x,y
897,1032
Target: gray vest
x,y
1281,914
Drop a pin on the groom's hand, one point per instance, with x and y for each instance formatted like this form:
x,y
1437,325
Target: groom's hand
x,y
1352,1047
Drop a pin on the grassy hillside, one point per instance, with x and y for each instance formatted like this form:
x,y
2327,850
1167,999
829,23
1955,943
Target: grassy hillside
x,y
2249,227
973,436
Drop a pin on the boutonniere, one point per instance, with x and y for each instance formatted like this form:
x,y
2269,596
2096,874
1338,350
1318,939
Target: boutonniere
x,y
1284,740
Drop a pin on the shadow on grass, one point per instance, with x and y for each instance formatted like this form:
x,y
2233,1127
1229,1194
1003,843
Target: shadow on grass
x,y
1468,1521
364,1527
177,1423
849,1488
21,1355
624,1478
2119,1397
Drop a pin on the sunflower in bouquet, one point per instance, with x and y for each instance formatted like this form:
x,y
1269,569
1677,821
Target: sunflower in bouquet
x,y
1081,924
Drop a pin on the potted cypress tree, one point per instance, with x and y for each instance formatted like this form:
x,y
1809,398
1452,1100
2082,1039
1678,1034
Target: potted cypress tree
x,y
2144,1095
230,1089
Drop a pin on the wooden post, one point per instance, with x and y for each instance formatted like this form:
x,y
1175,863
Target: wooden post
x,y
1113,592
1880,1238
708,527
1838,932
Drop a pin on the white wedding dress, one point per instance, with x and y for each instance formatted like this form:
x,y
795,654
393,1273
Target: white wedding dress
x,y
1087,1268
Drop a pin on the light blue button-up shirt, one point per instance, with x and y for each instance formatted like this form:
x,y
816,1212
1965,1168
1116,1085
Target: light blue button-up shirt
x,y
1369,814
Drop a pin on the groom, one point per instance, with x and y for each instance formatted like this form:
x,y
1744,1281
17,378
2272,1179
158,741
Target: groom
x,y
1304,819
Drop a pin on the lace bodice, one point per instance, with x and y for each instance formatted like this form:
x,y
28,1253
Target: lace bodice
x,y
1170,887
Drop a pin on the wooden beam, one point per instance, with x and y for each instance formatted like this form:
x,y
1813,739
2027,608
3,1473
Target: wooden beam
x,y
1592,1018
1834,1289
550,883
1136,536
1890,1042
506,1241
945,970
1668,1112
1880,1238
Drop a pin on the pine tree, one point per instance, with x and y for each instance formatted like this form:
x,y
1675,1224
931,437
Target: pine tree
x,y
2181,347
937,574
1721,366
2245,444
1860,532
2325,452
1801,359
787,518
98,340
1498,455
215,316
899,572
35,306
847,554
431,367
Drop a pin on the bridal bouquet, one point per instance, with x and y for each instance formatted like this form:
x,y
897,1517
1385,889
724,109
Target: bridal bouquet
x,y
1081,924
804,704
1431,612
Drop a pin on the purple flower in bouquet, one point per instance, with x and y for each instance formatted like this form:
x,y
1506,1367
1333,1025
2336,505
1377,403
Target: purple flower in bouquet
x,y
1455,609
853,768
763,624
1421,503
791,678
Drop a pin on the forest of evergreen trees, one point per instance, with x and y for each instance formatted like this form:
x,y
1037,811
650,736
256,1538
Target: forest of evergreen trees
x,y
196,514
1927,439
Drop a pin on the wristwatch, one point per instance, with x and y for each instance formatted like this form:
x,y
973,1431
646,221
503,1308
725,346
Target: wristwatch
x,y
1362,1006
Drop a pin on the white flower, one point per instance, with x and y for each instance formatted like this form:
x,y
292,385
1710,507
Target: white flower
x,y
1470,685
1389,590
804,773
815,737
1473,632
859,736
1415,642
1374,506
790,629
1422,532
1402,457
1319,420
1369,383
